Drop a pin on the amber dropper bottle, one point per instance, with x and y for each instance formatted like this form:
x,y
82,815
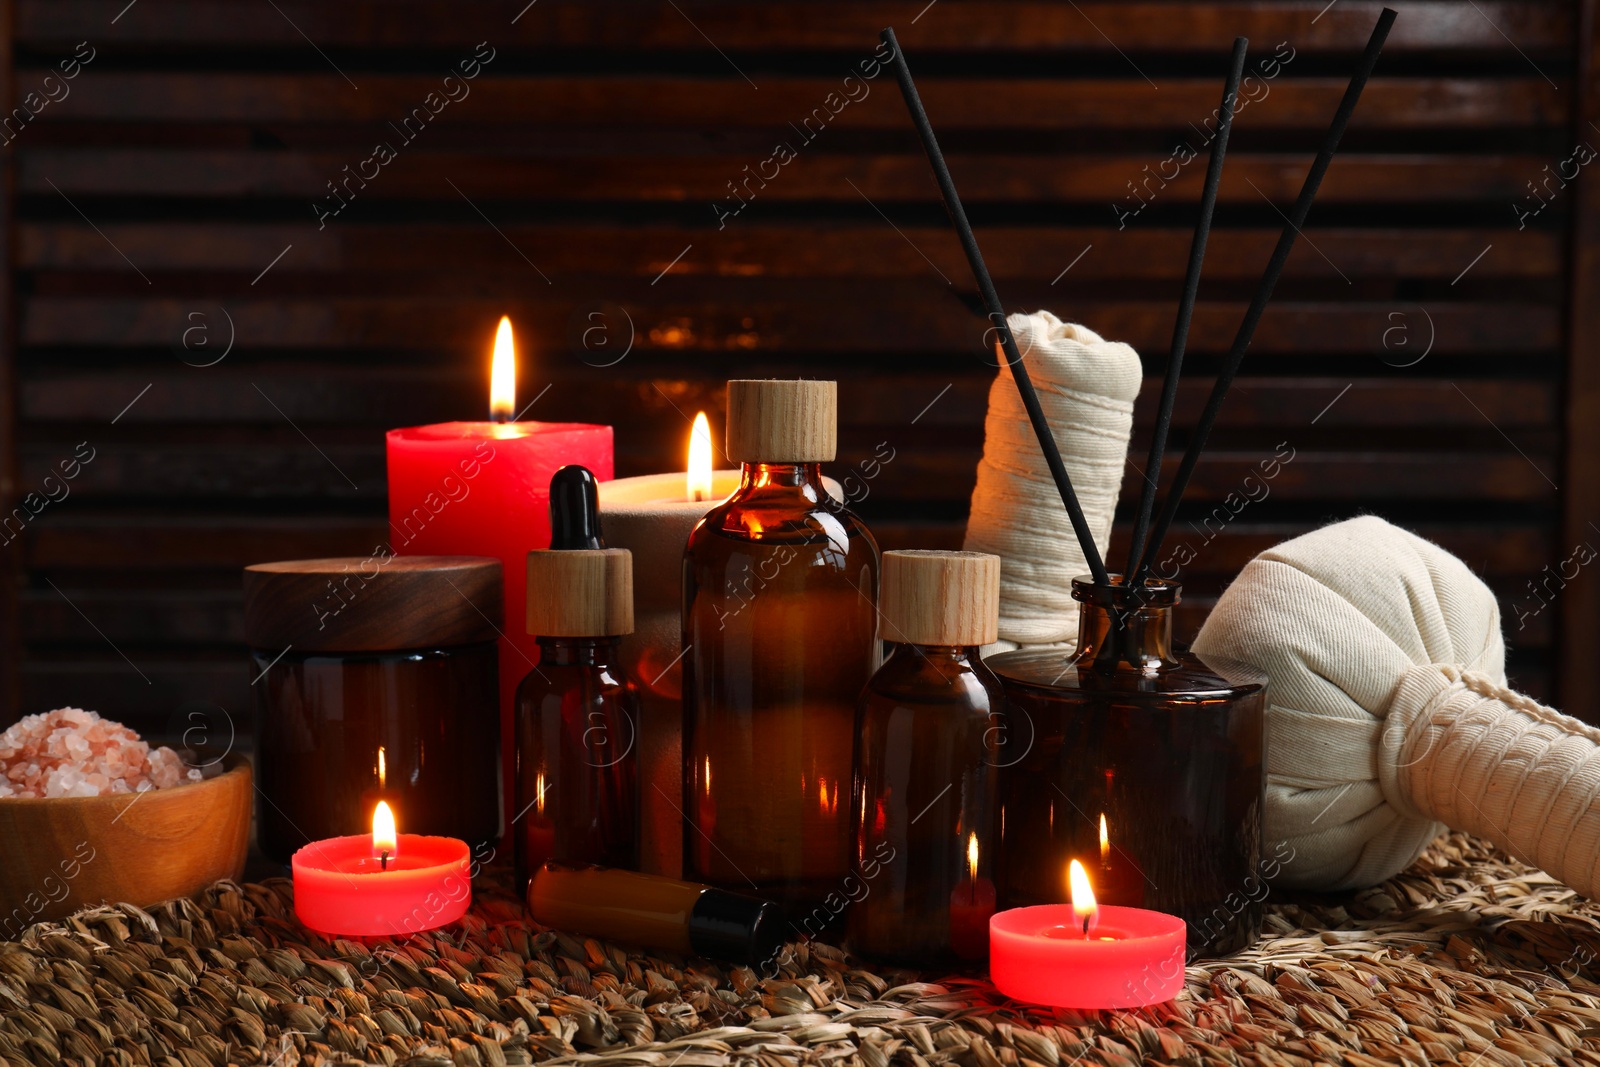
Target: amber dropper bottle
x,y
577,791
927,765
779,585
658,913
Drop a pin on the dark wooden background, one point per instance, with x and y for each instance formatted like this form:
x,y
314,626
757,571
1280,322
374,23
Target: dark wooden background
x,y
157,197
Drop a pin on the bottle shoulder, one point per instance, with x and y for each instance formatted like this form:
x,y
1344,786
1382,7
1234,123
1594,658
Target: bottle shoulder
x,y
1047,671
908,679
789,518
604,682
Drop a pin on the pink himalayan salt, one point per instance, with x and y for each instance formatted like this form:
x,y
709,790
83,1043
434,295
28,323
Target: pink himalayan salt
x,y
70,752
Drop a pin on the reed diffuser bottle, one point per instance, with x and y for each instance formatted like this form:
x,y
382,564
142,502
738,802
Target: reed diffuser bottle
x,y
927,763
1140,761
780,586
577,720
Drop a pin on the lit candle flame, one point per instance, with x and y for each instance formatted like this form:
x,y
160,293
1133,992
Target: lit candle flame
x,y
383,774
1084,907
708,776
1105,842
384,837
503,374
972,857
699,479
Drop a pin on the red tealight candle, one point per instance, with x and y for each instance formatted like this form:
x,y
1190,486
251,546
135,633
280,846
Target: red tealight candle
x,y
483,489
383,885
1081,955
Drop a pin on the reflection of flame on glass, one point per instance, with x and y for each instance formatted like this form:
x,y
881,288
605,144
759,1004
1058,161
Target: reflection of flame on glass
x,y
503,374
384,838
538,792
383,774
708,776
1105,842
699,478
1084,907
972,866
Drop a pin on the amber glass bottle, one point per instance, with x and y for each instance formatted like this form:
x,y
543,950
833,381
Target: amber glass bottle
x,y
577,780
1157,747
780,588
927,762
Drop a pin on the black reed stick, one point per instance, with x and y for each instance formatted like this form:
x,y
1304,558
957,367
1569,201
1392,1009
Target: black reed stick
x,y
1180,329
1258,305
997,315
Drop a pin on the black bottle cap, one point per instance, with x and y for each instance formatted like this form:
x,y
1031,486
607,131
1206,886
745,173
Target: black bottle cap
x,y
736,928
575,509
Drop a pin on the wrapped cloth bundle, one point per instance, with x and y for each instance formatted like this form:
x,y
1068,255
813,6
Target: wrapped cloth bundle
x,y
1086,386
1388,716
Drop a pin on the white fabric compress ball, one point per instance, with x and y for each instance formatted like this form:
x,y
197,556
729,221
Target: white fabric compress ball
x,y
1387,716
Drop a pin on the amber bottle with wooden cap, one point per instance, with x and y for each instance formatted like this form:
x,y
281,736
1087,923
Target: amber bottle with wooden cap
x,y
374,678
927,765
577,780
780,582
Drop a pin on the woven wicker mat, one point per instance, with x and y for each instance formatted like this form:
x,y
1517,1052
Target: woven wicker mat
x,y
1466,958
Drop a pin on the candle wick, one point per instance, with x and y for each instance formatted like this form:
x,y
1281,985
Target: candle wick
x,y
502,416
383,861
1086,926
699,496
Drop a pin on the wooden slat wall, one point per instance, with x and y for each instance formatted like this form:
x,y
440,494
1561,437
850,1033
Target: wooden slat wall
x,y
173,188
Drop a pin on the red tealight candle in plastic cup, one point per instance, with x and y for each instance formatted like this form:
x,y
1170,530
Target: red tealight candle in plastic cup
x,y
385,884
1081,955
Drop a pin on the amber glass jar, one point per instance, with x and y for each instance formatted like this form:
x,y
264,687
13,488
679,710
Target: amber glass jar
x,y
780,586
374,679
577,789
1160,748
927,762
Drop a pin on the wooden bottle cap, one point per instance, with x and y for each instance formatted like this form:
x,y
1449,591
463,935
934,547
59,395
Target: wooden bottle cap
x,y
782,421
940,598
580,592
371,603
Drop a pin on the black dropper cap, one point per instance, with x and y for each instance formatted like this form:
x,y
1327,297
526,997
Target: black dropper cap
x,y
575,509
737,928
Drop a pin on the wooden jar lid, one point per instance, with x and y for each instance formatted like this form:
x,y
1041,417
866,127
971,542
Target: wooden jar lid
x,y
580,592
940,598
371,603
782,421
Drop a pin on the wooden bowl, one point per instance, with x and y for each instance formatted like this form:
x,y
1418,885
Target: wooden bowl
x,y
60,854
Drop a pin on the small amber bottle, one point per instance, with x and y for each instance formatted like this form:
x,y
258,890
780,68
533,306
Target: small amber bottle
x,y
780,584
577,719
927,765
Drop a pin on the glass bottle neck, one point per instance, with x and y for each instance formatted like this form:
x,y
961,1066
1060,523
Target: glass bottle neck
x,y
579,651
774,475
934,656
1124,627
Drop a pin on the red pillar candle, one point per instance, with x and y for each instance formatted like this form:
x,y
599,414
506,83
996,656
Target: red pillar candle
x,y
1082,955
385,884
483,489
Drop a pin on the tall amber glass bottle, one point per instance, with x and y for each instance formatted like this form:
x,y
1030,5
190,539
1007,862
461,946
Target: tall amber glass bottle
x,y
927,763
1143,762
780,587
577,721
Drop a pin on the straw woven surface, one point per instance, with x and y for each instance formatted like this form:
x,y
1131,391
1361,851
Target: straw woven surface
x,y
1465,958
